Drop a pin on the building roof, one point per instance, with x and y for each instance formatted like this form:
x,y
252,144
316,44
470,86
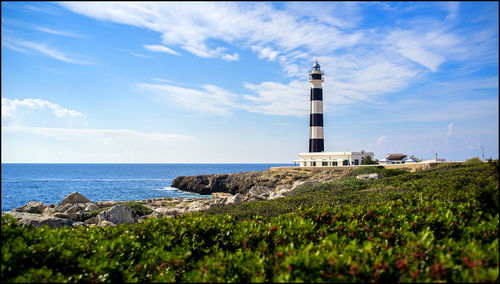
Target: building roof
x,y
393,157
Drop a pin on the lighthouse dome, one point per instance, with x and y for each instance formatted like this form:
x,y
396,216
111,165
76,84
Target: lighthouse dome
x,y
316,65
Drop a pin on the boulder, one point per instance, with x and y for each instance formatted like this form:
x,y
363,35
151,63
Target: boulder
x,y
235,199
118,214
280,193
369,176
219,202
37,220
32,207
71,216
259,190
91,207
74,197
92,220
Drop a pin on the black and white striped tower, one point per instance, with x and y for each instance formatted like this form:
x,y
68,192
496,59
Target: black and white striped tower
x,y
316,140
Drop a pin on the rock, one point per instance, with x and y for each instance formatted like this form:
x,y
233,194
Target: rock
x,y
118,214
280,193
369,176
74,197
92,220
298,183
105,223
71,216
36,207
216,195
243,182
76,224
197,206
74,208
91,207
37,220
259,190
219,202
282,187
235,199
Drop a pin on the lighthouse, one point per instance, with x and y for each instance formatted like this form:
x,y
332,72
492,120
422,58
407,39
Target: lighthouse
x,y
317,157
316,138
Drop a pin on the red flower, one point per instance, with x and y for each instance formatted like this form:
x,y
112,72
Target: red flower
x,y
401,264
353,269
415,274
272,229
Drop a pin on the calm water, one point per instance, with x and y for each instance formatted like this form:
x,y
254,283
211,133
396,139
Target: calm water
x,y
50,183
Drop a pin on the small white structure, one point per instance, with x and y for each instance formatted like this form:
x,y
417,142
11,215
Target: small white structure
x,y
332,159
393,159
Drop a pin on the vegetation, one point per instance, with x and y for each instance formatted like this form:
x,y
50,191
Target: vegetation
x,y
137,208
438,225
368,161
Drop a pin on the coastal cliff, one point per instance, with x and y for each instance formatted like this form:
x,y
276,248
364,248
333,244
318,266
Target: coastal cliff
x,y
243,182
272,178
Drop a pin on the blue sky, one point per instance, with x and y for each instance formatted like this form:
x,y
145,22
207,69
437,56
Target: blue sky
x,y
167,82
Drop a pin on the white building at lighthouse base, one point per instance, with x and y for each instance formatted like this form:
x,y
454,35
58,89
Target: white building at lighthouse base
x,y
332,159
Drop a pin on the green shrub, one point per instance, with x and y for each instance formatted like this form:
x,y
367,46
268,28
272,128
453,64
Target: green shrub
x,y
430,226
473,161
137,208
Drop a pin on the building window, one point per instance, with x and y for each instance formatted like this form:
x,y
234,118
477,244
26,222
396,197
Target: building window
x,y
345,163
334,164
325,164
313,164
356,162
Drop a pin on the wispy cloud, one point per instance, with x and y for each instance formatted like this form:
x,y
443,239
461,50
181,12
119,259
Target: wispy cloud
x,y
41,117
209,100
363,62
42,48
57,32
75,133
450,129
381,140
160,48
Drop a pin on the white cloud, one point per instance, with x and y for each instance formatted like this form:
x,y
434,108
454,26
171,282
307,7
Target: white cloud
x,y
37,112
192,26
265,52
278,99
211,100
57,32
106,135
139,55
381,140
160,48
23,45
450,130
229,57
59,134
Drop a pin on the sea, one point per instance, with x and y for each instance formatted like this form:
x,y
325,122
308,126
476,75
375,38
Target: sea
x,y
50,183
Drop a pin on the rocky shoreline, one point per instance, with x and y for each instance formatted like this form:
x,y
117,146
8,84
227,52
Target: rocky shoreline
x,y
225,190
77,210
